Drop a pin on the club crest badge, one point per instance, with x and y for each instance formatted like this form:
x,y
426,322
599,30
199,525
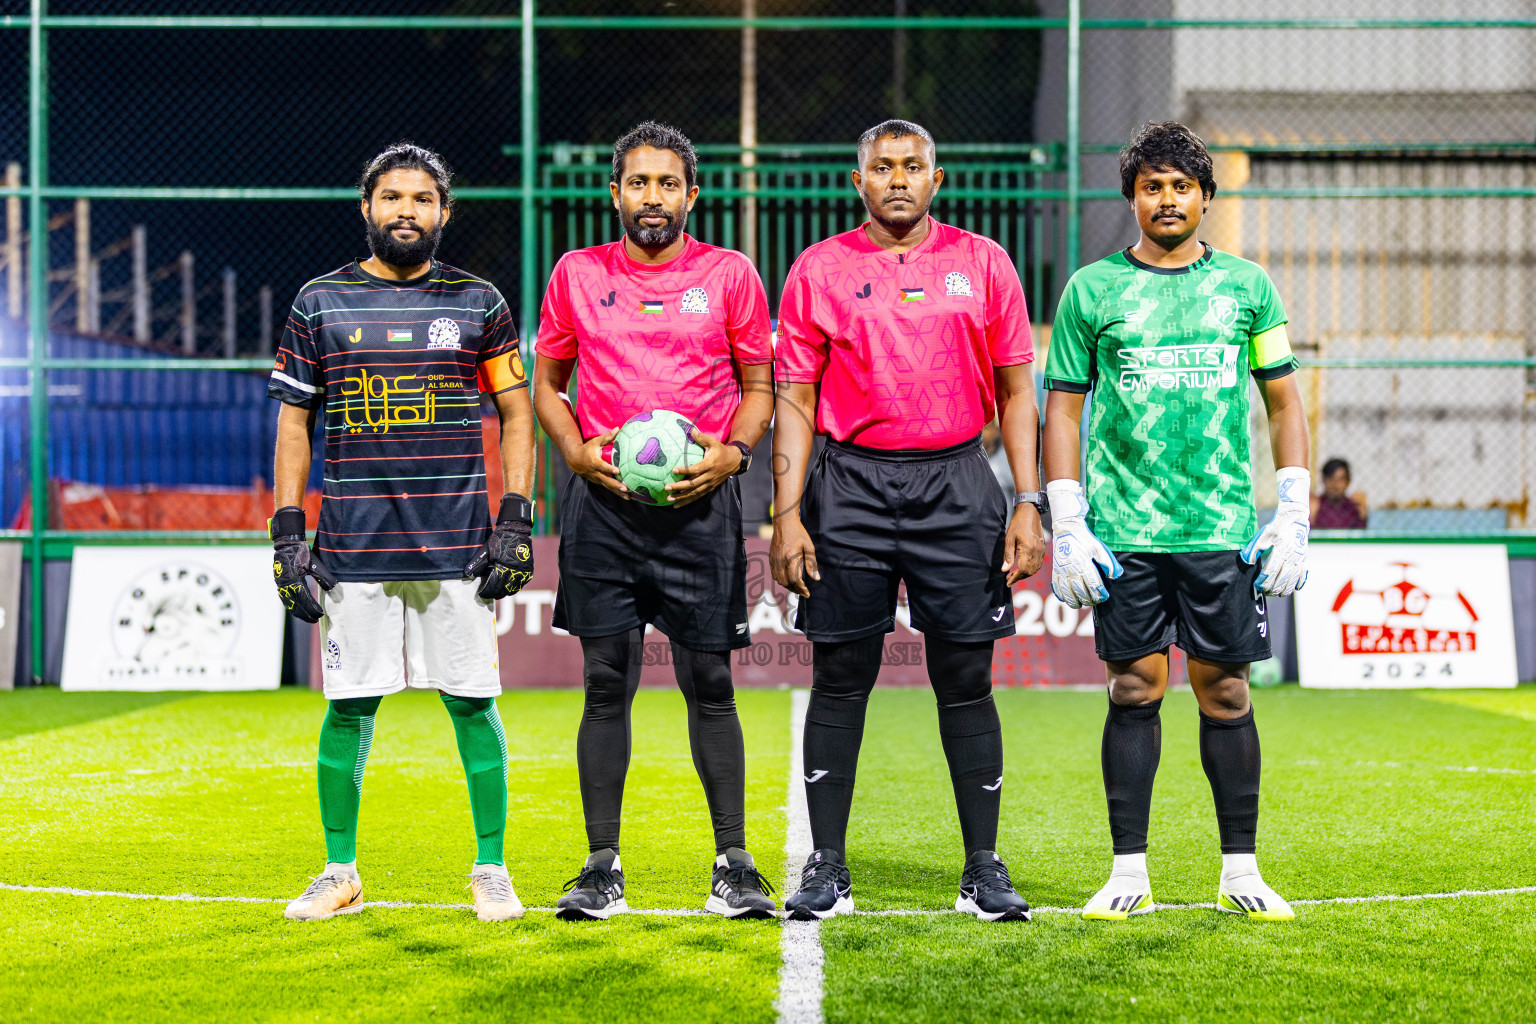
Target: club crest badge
x,y
957,283
694,301
1223,310
443,333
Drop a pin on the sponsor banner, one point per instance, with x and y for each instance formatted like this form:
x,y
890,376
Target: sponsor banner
x,y
10,611
1053,644
172,618
1406,615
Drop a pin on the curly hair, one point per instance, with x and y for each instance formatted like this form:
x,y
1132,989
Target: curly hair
x,y
1165,146
657,136
408,156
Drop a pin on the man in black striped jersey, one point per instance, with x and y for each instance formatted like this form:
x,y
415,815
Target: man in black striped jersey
x,y
396,352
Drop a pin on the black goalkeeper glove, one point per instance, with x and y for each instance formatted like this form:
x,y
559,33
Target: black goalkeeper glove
x,y
506,561
292,561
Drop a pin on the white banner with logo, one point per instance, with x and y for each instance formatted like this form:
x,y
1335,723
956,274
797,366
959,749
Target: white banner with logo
x,y
1406,615
10,611
172,618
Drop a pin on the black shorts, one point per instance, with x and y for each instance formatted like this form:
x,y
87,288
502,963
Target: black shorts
x,y
1203,601
934,519
624,564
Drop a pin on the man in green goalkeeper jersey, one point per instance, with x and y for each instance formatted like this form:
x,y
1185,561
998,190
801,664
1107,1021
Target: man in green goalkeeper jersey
x,y
1165,334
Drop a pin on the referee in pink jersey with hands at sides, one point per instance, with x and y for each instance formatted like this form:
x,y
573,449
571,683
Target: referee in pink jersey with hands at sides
x,y
656,320
900,340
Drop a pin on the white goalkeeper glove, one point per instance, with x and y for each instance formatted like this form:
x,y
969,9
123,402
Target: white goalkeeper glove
x,y
1284,540
1074,549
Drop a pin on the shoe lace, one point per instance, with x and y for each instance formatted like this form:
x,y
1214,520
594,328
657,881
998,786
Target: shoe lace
x,y
740,876
321,885
821,875
496,888
594,877
992,878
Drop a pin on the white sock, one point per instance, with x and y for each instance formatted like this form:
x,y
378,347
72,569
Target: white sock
x,y
722,862
491,869
349,870
1130,864
1236,865
615,866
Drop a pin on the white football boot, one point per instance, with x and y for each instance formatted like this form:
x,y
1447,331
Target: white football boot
x,y
335,891
495,899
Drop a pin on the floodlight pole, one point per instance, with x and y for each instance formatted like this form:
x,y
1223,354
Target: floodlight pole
x,y
749,131
37,350
528,268
1074,134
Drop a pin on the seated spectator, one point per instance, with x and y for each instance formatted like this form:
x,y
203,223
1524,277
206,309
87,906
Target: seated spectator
x,y
1336,508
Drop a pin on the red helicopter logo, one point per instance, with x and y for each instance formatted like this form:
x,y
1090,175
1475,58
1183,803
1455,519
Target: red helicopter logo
x,y
1404,618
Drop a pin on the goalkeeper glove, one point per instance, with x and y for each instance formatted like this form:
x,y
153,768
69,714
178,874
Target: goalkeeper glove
x,y
1284,540
293,561
506,560
1074,548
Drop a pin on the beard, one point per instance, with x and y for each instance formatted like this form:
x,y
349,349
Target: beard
x,y
397,253
658,237
892,219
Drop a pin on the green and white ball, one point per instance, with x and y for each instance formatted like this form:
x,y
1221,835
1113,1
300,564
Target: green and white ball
x,y
649,447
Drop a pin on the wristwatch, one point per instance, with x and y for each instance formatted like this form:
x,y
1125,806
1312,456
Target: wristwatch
x,y
1035,498
746,457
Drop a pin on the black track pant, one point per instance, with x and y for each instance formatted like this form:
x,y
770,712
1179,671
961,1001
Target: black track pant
x,y
611,674
843,674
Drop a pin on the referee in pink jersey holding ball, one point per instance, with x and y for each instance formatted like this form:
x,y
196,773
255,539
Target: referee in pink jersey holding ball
x,y
656,320
900,340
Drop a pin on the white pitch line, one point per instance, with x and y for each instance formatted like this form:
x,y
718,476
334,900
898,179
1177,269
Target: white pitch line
x,y
1470,769
800,974
185,897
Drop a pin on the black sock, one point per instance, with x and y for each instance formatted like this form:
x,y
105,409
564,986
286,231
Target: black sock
x,y
1229,752
961,675
714,734
1133,744
610,675
841,677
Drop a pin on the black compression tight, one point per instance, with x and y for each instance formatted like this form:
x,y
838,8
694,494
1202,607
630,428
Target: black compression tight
x,y
611,675
843,674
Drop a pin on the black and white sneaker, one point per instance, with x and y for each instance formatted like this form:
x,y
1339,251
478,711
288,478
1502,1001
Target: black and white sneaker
x,y
597,893
739,889
987,892
825,889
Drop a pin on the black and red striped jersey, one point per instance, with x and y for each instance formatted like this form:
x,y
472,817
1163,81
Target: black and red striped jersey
x,y
398,369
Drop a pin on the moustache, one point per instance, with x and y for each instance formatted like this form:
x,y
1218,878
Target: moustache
x,y
409,225
651,212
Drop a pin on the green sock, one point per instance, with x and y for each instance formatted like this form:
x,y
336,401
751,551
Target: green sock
x,y
483,749
345,736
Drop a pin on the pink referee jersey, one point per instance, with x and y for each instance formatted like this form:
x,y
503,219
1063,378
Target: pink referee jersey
x,y
664,336
903,345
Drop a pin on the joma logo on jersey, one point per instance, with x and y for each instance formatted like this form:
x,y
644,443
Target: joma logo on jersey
x,y
1178,367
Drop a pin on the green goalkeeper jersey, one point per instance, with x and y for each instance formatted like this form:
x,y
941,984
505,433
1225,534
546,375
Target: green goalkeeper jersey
x,y
1167,448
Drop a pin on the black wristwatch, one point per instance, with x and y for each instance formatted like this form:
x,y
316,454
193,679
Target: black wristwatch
x,y
1035,498
746,457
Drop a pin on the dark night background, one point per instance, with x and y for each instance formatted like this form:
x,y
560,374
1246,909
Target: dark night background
x,y
279,108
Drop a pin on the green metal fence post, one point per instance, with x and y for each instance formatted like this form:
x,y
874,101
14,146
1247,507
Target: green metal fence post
x,y
37,350
1074,133
530,157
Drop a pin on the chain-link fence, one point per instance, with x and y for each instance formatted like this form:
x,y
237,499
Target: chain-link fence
x,y
197,159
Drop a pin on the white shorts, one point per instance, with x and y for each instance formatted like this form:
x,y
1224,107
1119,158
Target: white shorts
x,y
379,638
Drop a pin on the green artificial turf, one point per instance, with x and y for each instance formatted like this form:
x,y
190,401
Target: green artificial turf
x,y
1365,793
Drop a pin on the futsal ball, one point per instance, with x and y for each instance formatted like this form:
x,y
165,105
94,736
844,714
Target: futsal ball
x,y
649,447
